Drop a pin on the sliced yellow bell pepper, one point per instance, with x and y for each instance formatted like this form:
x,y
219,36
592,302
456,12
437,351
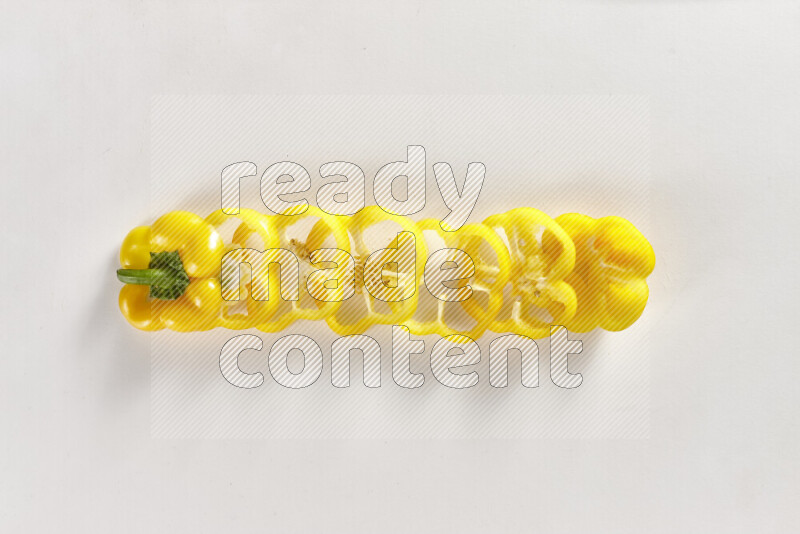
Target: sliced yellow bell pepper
x,y
528,272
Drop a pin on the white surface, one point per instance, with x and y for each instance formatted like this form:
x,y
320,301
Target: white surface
x,y
722,78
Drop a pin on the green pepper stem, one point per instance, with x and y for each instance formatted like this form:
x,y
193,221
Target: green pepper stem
x,y
143,277
165,276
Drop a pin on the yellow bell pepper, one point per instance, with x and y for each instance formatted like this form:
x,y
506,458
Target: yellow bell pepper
x,y
613,261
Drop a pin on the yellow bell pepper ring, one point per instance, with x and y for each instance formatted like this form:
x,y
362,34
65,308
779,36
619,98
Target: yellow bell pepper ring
x,y
542,255
257,224
613,262
362,310
317,310
486,279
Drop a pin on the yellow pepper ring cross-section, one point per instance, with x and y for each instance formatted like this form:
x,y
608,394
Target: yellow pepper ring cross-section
x,y
529,271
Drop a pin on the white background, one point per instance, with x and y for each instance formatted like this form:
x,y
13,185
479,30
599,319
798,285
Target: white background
x,y
722,77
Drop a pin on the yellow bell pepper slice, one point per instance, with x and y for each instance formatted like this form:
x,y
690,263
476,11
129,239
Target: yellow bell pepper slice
x,y
260,225
613,262
295,310
486,282
542,255
170,260
343,321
